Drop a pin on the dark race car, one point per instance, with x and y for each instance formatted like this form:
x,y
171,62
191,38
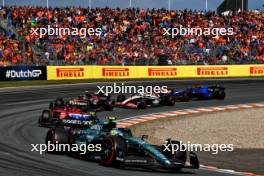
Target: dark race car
x,y
118,147
200,93
95,102
142,101
61,112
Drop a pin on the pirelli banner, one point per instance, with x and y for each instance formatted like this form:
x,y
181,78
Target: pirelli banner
x,y
125,72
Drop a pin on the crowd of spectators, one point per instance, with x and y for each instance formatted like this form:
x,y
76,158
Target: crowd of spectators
x,y
13,51
134,36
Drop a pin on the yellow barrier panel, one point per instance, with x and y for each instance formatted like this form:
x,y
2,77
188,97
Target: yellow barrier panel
x,y
125,72
67,72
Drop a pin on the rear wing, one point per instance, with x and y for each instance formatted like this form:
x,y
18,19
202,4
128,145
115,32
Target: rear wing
x,y
75,122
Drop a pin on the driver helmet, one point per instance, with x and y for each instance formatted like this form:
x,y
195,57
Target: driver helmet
x,y
115,132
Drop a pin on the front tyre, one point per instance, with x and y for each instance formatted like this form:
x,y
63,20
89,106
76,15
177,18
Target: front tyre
x,y
178,156
44,118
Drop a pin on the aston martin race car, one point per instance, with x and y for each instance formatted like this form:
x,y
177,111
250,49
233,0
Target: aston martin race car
x,y
200,93
118,147
95,102
141,101
61,112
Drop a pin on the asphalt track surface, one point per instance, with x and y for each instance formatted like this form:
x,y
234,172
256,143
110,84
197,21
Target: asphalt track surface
x,y
20,108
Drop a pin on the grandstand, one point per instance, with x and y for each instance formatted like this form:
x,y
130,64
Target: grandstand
x,y
129,36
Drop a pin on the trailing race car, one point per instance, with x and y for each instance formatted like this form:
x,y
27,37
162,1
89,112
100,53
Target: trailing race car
x,y
143,101
118,147
133,102
61,112
95,102
200,93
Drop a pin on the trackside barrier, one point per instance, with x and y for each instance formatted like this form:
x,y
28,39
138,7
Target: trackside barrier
x,y
16,73
125,72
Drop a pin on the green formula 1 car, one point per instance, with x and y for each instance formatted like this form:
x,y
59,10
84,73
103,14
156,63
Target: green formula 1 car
x,y
118,147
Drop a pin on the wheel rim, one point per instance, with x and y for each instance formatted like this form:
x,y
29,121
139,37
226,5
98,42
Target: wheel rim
x,y
108,151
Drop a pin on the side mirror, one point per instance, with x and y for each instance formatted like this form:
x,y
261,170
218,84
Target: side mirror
x,y
144,137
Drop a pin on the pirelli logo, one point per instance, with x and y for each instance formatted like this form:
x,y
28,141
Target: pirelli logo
x,y
166,72
212,71
115,72
257,70
70,72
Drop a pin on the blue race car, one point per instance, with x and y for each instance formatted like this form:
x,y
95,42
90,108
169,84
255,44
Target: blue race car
x,y
198,92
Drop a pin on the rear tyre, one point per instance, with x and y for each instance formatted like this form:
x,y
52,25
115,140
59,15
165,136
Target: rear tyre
x,y
108,106
112,148
170,101
221,95
56,136
185,97
141,105
88,105
121,98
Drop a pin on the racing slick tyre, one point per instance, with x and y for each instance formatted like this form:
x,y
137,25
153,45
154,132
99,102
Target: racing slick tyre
x,y
185,97
170,101
44,118
108,106
56,136
88,105
141,105
221,95
167,100
194,161
121,98
113,151
178,156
